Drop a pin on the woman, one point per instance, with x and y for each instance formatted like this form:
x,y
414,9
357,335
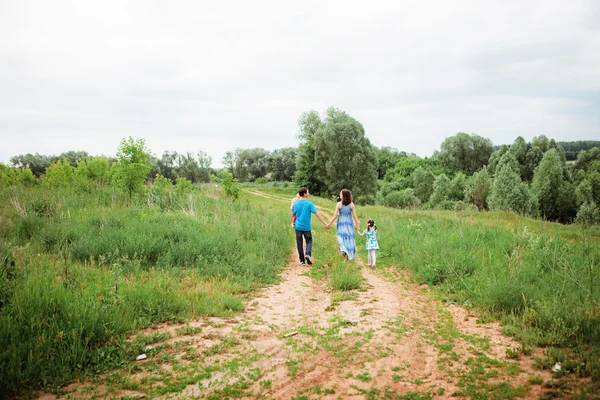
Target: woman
x,y
345,212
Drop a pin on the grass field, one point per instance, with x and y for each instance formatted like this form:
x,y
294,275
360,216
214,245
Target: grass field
x,y
81,272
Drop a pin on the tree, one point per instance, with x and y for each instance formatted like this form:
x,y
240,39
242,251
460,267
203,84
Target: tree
x,y
548,185
542,142
587,159
167,165
457,187
533,157
423,184
73,157
572,149
132,166
495,158
232,188
36,163
508,191
189,168
10,176
479,188
347,155
310,171
94,170
386,159
59,174
441,190
405,166
282,164
464,152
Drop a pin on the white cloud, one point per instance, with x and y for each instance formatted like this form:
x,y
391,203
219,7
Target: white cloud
x,y
191,76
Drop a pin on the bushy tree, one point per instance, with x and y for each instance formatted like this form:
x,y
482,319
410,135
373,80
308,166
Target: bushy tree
x,y
478,189
183,186
133,164
457,187
59,174
282,164
11,176
406,166
588,190
588,214
495,158
340,153
402,199
310,170
231,187
542,142
423,184
441,190
554,194
586,159
533,157
37,163
508,191
94,170
387,157
464,152
73,157
188,167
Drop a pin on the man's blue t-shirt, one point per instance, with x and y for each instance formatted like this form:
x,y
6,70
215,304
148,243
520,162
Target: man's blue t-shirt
x,y
302,210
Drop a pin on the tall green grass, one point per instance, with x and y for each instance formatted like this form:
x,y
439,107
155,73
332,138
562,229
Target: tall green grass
x,y
541,281
79,272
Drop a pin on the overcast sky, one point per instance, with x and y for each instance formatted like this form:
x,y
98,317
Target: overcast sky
x,y
217,75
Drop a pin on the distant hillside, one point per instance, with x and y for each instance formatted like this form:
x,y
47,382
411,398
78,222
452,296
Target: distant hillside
x,y
572,148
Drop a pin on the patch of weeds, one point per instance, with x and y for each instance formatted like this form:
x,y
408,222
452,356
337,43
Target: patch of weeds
x,y
445,347
267,384
415,396
343,296
255,374
188,330
236,390
364,377
293,367
513,369
329,391
513,354
396,378
535,380
219,348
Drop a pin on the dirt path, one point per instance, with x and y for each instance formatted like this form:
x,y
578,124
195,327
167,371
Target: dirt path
x,y
299,339
390,337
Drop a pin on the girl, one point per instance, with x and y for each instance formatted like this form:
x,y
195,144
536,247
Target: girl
x,y
372,245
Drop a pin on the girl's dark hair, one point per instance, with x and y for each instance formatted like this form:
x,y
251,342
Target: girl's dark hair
x,y
346,197
371,224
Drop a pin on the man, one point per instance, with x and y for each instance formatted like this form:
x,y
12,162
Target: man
x,y
302,210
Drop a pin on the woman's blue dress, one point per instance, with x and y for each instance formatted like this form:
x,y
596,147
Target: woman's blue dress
x,y
345,232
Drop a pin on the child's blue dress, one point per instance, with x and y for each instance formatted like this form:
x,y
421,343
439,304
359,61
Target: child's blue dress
x,y
372,239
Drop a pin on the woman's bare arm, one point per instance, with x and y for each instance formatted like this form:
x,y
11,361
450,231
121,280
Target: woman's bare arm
x,y
356,221
335,215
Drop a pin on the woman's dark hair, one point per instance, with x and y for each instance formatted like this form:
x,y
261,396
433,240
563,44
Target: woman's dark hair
x,y
371,224
346,197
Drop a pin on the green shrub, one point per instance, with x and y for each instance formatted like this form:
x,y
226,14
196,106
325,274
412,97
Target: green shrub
x,y
588,214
